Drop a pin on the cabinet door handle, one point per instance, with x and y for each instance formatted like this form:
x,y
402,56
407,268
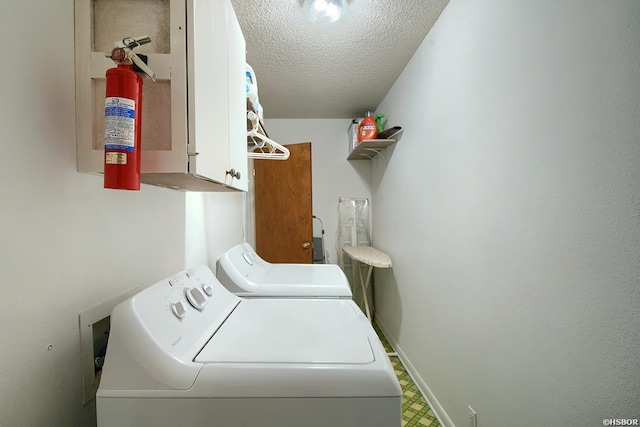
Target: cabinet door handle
x,y
306,245
233,173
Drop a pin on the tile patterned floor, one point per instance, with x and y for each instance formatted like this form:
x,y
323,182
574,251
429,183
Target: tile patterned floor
x,y
415,410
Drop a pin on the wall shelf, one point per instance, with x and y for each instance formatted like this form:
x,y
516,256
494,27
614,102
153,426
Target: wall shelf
x,y
369,148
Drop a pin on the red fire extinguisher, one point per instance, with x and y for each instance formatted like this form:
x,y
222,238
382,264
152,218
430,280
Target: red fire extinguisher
x,y
123,116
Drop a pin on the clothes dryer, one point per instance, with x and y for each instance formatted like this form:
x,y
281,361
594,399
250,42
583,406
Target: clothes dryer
x,y
246,274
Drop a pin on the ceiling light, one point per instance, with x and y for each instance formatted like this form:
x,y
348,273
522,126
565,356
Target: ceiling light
x,y
324,11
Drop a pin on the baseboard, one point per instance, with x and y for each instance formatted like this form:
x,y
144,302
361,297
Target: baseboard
x,y
428,395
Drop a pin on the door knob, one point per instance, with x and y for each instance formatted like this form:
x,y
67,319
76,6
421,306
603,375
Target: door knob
x,y
306,245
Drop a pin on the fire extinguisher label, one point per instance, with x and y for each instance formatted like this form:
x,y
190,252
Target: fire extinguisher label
x,y
116,158
119,124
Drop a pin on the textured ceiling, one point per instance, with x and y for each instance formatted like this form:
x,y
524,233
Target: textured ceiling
x,y
336,71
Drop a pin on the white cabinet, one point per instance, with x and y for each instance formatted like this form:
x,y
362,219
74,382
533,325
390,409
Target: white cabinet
x,y
194,123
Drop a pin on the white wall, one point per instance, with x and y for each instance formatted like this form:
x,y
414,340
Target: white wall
x,y
511,210
214,223
333,175
67,244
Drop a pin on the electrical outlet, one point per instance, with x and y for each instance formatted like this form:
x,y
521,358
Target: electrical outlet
x,y
473,417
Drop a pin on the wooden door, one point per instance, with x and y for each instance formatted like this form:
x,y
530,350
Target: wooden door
x,y
283,208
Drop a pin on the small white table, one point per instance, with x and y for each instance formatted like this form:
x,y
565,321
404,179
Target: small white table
x,y
367,257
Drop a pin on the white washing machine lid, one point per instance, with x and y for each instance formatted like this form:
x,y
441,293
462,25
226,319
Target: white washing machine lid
x,y
291,331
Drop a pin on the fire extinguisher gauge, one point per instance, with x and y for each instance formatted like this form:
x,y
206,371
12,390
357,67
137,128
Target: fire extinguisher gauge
x,y
118,54
123,53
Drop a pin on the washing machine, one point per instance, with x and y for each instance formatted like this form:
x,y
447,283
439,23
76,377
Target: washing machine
x,y
186,351
246,274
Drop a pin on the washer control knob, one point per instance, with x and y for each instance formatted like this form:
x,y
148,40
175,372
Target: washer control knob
x,y
196,298
207,289
178,309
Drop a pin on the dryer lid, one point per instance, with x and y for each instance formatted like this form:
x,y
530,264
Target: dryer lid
x,y
291,331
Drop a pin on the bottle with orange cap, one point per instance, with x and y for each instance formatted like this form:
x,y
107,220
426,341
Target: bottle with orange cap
x,y
368,128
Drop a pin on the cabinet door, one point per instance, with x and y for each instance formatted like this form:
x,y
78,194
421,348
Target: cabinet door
x,y
208,93
237,103
216,91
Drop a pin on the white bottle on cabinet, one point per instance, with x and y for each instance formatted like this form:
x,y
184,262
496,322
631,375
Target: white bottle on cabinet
x,y
194,123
